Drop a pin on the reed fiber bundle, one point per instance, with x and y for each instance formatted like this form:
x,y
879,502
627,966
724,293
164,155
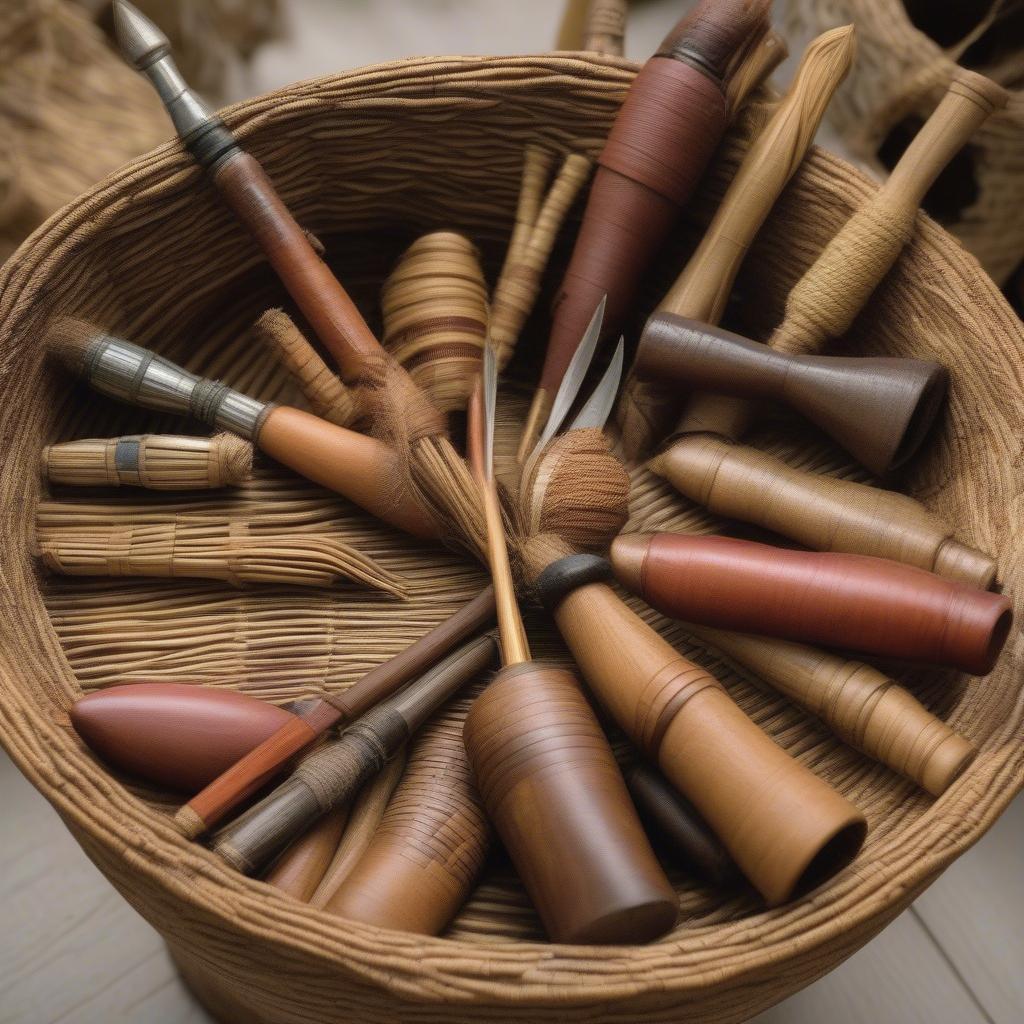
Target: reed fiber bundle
x,y
901,74
70,112
160,462
435,316
112,540
154,262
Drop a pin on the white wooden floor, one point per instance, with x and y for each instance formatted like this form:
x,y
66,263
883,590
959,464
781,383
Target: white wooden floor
x,y
72,951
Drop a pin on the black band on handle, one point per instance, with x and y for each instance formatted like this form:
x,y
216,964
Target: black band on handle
x,y
210,142
567,574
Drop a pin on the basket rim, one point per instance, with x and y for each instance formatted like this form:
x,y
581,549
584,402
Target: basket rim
x,y
393,961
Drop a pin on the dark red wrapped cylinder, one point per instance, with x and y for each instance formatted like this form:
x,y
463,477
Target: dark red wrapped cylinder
x,y
854,602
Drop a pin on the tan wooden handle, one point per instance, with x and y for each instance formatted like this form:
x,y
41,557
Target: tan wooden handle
x,y
361,468
825,301
605,27
861,705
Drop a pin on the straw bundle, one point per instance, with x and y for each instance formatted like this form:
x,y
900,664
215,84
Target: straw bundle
x,y
70,112
160,462
435,316
899,76
254,954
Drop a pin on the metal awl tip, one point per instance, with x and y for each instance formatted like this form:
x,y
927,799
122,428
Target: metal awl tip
x,y
140,40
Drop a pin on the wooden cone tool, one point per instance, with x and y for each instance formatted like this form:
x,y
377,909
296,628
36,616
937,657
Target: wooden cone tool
x,y
546,773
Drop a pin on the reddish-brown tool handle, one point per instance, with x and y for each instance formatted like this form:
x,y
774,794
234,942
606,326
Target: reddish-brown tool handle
x,y
318,293
856,602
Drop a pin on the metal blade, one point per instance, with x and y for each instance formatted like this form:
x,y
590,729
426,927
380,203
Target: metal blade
x,y
490,382
599,405
574,377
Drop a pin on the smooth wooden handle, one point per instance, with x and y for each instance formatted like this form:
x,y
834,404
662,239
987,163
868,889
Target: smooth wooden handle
x,y
300,868
820,512
310,282
861,705
430,845
605,28
360,468
556,796
785,828
825,301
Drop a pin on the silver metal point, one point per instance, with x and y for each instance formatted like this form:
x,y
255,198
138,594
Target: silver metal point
x,y
490,381
599,405
140,40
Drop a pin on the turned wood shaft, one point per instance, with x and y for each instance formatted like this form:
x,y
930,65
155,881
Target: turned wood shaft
x,y
786,829
556,796
299,869
856,602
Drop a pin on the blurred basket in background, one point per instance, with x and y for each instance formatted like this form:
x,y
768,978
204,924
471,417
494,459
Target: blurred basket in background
x,y
368,160
907,51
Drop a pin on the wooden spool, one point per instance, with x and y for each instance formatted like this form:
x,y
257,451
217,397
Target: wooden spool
x,y
126,254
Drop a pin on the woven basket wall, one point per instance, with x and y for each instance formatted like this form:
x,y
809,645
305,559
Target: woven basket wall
x,y
367,160
899,76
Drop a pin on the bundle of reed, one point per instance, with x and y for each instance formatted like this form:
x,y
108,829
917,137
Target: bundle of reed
x,y
702,290
160,462
327,396
214,38
539,217
214,549
435,316
61,90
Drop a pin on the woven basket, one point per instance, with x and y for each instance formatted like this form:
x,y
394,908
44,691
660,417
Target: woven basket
x,y
896,81
367,160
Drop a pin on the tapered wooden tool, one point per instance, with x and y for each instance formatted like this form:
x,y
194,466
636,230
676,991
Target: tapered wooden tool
x,y
820,512
361,468
175,735
546,773
851,601
879,410
436,473
786,829
299,869
662,140
244,777
429,848
701,291
334,773
861,705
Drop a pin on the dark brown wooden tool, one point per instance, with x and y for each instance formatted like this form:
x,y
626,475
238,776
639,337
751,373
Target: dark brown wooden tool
x,y
787,830
879,410
855,602
545,771
663,138
333,774
245,776
427,852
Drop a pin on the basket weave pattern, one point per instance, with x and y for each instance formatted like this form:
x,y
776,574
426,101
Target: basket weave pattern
x,y
367,160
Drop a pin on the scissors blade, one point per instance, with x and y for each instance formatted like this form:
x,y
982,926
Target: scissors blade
x,y
599,405
490,381
575,374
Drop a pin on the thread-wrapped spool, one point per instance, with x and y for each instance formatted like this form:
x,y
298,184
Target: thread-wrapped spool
x,y
326,394
854,602
861,705
435,316
669,126
219,550
577,489
160,462
431,843
821,512
786,829
556,796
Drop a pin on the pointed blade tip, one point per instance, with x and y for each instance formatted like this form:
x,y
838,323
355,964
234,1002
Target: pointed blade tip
x,y
138,37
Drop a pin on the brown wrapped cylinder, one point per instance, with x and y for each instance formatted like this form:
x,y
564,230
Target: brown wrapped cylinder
x,y
851,601
787,830
160,462
820,512
861,705
300,868
663,138
429,848
879,410
435,316
552,788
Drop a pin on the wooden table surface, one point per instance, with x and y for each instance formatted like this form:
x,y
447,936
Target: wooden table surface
x,y
72,951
